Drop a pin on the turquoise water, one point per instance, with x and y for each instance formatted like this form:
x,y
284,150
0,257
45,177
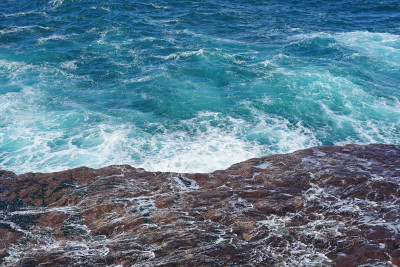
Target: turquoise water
x,y
192,86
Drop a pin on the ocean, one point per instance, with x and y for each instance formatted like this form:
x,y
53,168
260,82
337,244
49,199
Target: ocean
x,y
192,86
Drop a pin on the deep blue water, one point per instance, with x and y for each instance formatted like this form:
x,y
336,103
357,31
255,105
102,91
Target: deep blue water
x,y
192,86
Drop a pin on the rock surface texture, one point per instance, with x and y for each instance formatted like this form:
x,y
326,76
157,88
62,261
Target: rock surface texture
x,y
324,206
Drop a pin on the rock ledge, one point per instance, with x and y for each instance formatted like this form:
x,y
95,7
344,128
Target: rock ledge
x,y
323,206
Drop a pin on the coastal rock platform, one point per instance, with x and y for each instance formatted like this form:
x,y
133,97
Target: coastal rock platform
x,y
323,206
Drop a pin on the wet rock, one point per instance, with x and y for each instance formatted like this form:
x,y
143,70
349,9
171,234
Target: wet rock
x,y
323,206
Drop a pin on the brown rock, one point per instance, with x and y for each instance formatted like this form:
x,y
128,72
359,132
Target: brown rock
x,y
324,206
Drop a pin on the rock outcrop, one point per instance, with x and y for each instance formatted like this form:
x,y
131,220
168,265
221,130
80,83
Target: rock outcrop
x,y
324,206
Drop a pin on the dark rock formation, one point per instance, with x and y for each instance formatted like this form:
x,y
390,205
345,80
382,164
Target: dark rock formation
x,y
324,206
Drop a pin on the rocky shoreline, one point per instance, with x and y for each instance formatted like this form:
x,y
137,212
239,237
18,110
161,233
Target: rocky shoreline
x,y
323,206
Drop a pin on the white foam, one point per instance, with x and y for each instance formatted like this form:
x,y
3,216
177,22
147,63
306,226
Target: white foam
x,y
182,55
348,107
71,65
42,40
22,14
159,6
146,205
30,28
56,3
202,148
101,8
185,184
263,165
383,46
268,63
282,135
106,144
301,254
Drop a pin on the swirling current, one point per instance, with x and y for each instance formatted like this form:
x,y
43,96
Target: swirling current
x,y
193,86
